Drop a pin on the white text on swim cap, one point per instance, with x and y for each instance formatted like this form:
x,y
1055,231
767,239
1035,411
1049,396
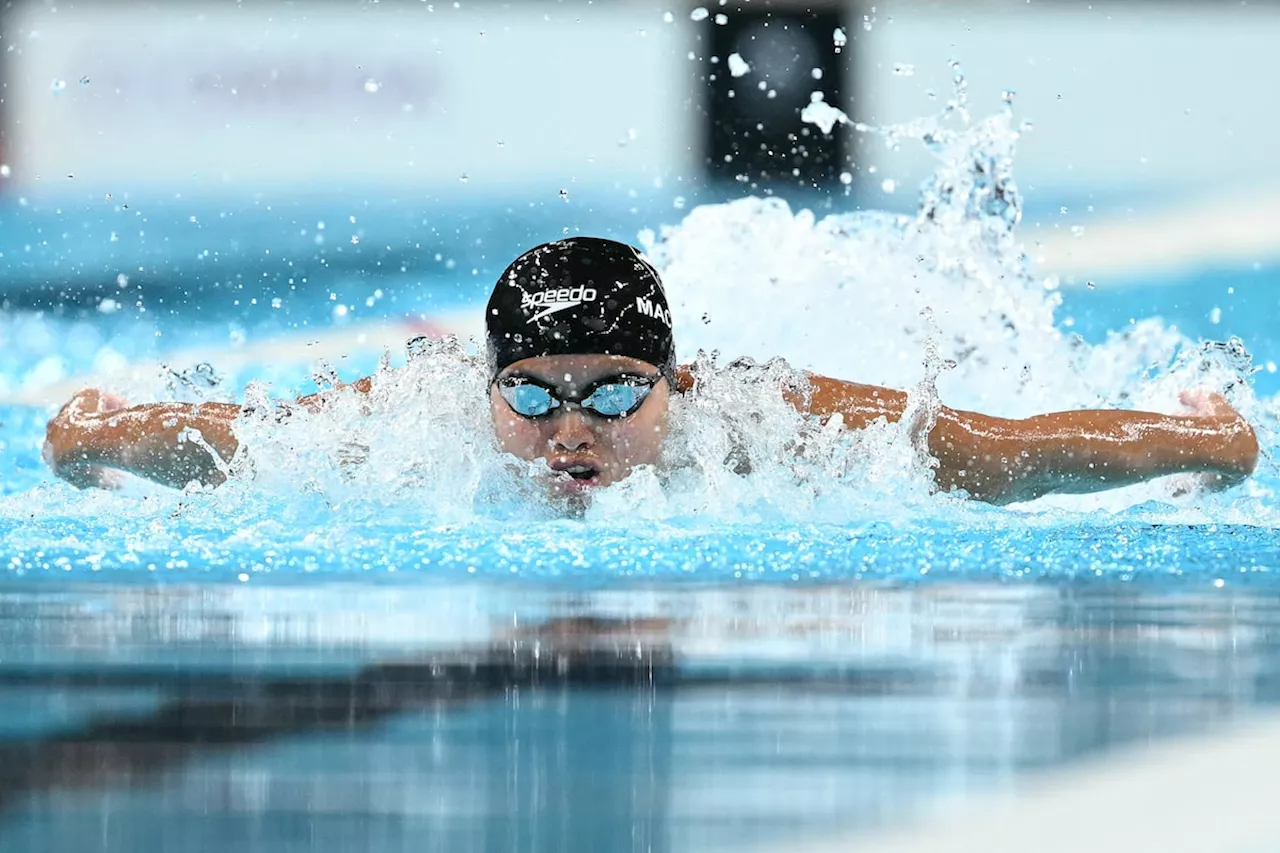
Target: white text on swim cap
x,y
647,308
551,301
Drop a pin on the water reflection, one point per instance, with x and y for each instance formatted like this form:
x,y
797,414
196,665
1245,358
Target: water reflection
x,y
507,718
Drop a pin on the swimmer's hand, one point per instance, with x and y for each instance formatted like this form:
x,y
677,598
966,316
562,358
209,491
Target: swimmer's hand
x,y
317,402
64,442
96,436
1240,457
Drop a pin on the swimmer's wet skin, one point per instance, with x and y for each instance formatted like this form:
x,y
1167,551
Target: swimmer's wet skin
x,y
579,338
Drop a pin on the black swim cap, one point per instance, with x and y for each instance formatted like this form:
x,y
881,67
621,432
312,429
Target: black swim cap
x,y
580,296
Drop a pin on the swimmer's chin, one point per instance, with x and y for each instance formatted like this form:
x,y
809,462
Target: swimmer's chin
x,y
573,495
569,501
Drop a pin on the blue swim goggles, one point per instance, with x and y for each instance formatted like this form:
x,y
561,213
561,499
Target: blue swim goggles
x,y
612,397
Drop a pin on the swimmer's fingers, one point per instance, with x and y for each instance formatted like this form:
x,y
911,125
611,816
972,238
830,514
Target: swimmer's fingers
x,y
1234,451
65,435
84,476
1207,404
59,454
89,402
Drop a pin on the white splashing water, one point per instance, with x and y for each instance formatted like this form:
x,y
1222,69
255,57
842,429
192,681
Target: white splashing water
x,y
942,303
866,296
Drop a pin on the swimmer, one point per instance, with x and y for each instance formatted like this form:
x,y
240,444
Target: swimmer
x,y
582,358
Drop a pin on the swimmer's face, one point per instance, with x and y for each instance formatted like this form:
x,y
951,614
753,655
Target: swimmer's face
x,y
591,450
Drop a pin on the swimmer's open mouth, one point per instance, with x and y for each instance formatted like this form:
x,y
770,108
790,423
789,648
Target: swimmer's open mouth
x,y
580,471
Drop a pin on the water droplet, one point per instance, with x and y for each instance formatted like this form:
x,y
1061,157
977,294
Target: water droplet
x,y
463,177
699,14
276,302
1215,315
84,81
678,202
122,280
5,171
564,195
1090,285
903,69
721,20
1077,230
737,65
846,178
58,85
667,17
888,185
839,39
372,86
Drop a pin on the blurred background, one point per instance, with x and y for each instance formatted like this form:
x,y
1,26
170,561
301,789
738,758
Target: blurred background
x,y
217,174
196,193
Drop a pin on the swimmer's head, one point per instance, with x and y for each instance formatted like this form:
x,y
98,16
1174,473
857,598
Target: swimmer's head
x,y
580,296
579,340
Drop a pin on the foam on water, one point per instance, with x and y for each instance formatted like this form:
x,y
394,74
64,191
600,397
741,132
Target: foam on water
x,y
869,297
944,303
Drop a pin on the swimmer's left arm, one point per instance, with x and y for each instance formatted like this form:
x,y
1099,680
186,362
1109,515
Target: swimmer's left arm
x,y
1003,460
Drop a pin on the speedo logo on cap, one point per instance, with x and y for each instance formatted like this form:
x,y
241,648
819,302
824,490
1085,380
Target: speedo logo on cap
x,y
551,301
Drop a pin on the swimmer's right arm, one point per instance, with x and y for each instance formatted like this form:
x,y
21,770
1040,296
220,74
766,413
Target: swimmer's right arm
x,y
96,435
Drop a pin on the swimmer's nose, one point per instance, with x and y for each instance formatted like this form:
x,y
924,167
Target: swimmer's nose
x,y
572,432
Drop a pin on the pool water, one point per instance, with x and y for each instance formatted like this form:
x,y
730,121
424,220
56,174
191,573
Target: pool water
x,y
516,717
415,653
